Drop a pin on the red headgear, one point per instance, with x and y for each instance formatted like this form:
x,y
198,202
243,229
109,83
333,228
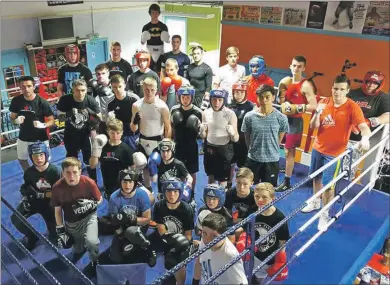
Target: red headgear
x,y
142,55
374,76
72,49
240,85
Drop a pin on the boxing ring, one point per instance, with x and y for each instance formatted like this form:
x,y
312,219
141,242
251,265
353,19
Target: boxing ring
x,y
359,225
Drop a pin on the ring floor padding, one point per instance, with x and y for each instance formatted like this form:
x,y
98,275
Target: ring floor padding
x,y
334,258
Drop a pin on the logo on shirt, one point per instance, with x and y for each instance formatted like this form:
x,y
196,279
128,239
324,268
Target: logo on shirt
x,y
83,206
173,225
328,121
262,229
78,118
129,209
27,108
70,77
43,185
171,173
363,104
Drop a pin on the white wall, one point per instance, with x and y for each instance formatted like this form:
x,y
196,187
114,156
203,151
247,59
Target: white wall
x,y
123,26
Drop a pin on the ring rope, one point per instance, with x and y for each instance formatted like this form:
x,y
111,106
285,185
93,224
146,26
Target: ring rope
x,y
47,242
32,257
25,272
371,150
3,266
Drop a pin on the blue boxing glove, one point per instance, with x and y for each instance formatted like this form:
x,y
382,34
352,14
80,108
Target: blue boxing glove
x,y
153,163
187,193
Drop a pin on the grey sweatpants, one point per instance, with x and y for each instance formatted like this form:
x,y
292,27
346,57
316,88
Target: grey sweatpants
x,y
85,235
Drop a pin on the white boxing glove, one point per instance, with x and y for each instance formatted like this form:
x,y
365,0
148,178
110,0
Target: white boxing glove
x,y
97,145
164,36
39,125
140,161
111,115
205,104
230,130
365,143
19,120
145,37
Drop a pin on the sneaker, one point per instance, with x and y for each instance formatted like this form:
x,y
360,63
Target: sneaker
x,y
312,206
283,187
323,221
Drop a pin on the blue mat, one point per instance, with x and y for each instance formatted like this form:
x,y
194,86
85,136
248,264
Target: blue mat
x,y
334,258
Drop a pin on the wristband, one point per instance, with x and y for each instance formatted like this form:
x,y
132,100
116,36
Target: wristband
x,y
374,122
40,125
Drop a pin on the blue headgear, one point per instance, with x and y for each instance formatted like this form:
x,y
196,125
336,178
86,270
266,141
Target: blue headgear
x,y
215,191
218,93
186,90
172,184
128,175
38,147
259,62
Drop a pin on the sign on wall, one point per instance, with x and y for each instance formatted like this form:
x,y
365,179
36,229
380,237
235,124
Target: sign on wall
x,y
317,11
61,3
250,14
294,17
271,15
377,19
231,13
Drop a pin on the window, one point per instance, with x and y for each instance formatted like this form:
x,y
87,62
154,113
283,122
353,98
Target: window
x,y
176,26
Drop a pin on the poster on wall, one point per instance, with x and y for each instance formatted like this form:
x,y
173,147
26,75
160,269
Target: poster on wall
x,y
250,14
231,13
346,16
294,17
317,11
377,19
271,15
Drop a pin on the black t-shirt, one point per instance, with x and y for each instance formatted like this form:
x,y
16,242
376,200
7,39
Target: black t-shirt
x,y
42,181
77,114
201,77
134,81
122,109
122,67
222,211
68,74
244,206
182,60
113,160
34,110
177,221
184,138
372,106
175,169
241,110
155,33
263,225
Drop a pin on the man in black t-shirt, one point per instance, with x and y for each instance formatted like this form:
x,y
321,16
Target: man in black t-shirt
x,y
120,108
134,82
117,64
36,193
114,156
101,89
182,59
71,71
175,222
186,118
154,34
200,76
80,111
33,115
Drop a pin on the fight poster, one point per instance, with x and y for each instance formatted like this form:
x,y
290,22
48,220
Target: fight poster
x,y
316,15
346,16
294,17
250,14
377,19
231,13
271,15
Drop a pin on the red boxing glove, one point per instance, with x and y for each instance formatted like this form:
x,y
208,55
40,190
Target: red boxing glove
x,y
280,260
165,84
241,245
177,81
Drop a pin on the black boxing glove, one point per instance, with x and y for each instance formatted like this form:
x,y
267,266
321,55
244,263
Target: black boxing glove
x,y
137,118
124,219
178,242
104,91
177,117
193,124
64,240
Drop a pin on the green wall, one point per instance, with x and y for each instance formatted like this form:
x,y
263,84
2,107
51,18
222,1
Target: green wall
x,y
207,32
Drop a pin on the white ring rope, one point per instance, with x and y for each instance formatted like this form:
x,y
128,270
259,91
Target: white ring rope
x,y
15,144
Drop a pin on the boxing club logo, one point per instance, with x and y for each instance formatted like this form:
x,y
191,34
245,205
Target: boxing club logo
x,y
262,229
173,225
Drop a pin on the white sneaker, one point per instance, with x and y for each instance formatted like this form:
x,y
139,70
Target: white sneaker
x,y
312,206
323,221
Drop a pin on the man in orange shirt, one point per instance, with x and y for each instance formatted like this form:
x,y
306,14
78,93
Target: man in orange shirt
x,y
334,119
257,67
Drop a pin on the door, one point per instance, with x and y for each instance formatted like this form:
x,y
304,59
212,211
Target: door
x,y
97,52
176,26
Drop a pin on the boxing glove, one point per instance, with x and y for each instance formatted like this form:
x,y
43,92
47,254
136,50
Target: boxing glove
x,y
154,159
26,204
61,117
292,109
187,193
145,36
137,118
178,242
193,123
165,84
164,36
97,146
64,240
39,125
136,237
111,115
140,161
177,118
205,104
94,84
104,91
280,260
124,219
177,81
19,120
242,244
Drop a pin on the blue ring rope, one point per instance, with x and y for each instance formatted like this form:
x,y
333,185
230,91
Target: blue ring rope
x,y
3,266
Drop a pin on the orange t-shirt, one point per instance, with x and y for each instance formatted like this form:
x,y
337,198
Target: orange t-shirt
x,y
254,83
335,126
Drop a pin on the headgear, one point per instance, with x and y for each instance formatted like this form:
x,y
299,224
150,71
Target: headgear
x,y
172,184
128,175
215,191
36,148
374,76
142,55
72,49
186,90
259,62
217,93
167,144
240,86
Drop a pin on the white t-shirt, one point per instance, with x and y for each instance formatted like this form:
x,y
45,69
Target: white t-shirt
x,y
212,261
226,76
217,123
152,123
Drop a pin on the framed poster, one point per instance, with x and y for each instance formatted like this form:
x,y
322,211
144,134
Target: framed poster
x,y
377,20
317,11
231,13
294,17
271,15
250,14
